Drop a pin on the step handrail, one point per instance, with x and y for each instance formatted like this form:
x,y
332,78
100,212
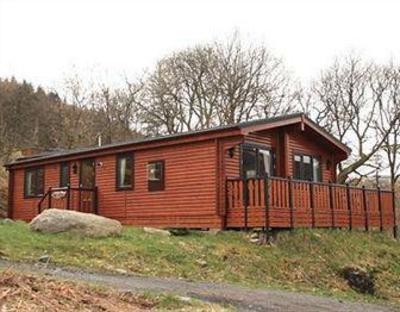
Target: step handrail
x,y
43,198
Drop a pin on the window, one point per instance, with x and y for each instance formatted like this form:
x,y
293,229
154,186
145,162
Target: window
x,y
257,161
125,171
265,166
249,162
316,170
64,174
34,182
155,175
307,168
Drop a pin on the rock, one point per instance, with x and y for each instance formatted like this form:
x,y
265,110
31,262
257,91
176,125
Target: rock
x,y
156,231
121,271
179,232
202,263
6,221
86,224
359,279
213,232
45,259
254,235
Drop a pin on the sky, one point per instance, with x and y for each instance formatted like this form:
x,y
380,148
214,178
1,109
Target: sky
x,y
44,41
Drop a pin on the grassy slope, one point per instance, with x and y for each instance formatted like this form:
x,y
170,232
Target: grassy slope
x,y
302,260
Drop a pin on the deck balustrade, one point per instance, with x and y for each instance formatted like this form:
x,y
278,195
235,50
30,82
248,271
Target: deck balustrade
x,y
274,202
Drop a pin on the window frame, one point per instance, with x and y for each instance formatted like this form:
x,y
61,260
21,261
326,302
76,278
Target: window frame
x,y
35,169
120,156
65,163
312,157
155,186
258,147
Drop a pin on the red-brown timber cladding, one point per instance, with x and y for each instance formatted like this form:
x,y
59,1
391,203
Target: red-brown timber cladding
x,y
189,198
197,193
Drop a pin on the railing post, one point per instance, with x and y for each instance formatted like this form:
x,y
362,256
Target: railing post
x,y
380,209
39,206
266,200
331,206
68,197
79,199
395,230
227,196
349,206
49,204
95,200
311,185
365,205
245,202
290,186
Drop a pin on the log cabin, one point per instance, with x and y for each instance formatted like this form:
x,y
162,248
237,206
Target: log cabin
x,y
273,173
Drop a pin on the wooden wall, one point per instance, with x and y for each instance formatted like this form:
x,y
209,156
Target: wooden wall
x,y
195,174
302,142
189,198
26,209
285,142
267,138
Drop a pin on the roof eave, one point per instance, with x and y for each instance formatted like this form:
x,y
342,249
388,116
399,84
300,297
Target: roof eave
x,y
303,120
327,135
162,141
284,122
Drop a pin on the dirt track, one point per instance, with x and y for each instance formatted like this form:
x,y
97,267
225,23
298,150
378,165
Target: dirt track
x,y
245,299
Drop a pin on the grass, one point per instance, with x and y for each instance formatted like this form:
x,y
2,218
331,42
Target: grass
x,y
301,260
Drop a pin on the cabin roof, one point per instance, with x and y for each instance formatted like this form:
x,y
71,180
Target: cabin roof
x,y
256,125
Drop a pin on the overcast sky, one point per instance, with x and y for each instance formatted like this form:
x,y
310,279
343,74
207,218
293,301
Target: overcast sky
x,y
42,41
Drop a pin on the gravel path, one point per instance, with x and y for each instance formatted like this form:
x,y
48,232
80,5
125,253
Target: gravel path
x,y
245,299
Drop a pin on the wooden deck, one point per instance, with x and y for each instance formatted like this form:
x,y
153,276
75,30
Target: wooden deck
x,y
285,203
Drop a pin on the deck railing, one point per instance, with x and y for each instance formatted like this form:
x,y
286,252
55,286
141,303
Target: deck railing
x,y
274,202
70,198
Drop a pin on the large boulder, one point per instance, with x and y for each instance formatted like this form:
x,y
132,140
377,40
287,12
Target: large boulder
x,y
87,224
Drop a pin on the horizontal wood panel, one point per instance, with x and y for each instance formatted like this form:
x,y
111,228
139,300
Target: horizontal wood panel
x,y
189,195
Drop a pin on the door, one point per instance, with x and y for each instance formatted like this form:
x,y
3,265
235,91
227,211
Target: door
x,y
87,173
87,183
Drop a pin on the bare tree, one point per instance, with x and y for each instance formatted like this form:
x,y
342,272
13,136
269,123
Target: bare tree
x,y
116,112
213,84
252,83
349,106
386,91
79,97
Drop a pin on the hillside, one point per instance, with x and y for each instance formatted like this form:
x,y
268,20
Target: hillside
x,y
302,260
31,117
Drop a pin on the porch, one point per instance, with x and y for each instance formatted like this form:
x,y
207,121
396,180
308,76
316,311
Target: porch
x,y
71,198
274,202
